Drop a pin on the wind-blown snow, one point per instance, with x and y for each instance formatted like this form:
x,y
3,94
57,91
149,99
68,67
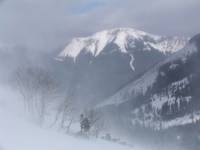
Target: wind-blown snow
x,y
19,133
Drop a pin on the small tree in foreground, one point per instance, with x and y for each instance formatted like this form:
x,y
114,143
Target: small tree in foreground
x,y
66,114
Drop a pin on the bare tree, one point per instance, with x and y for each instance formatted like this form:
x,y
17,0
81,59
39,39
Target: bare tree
x,y
98,127
38,89
66,111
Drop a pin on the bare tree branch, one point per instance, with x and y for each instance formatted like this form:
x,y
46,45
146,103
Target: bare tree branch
x,y
38,89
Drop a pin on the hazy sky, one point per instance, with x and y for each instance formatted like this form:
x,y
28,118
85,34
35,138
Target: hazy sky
x,y
50,24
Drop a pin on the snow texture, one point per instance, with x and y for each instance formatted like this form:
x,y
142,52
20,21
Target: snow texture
x,y
151,119
20,133
160,124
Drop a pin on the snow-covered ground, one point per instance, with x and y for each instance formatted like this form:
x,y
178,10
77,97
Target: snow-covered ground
x,y
17,132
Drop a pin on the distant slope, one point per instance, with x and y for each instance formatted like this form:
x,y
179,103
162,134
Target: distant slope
x,y
141,85
165,96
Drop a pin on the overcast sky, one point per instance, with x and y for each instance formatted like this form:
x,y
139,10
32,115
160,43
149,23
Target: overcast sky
x,y
50,24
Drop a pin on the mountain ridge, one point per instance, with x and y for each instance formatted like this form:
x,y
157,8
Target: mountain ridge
x,y
121,37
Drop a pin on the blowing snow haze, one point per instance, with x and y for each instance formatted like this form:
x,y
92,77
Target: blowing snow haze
x,y
99,74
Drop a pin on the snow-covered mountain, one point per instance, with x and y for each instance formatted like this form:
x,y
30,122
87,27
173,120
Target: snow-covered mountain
x,y
143,83
123,38
163,101
115,56
165,98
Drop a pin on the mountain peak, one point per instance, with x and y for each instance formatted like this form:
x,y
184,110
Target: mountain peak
x,y
123,38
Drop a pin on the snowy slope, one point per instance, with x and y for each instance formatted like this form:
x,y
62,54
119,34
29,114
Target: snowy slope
x,y
160,125
20,133
123,38
141,85
17,134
